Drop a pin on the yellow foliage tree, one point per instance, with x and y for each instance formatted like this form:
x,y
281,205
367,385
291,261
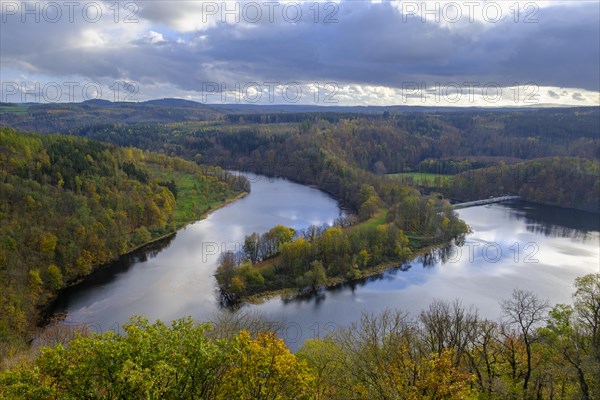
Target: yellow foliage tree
x,y
440,379
264,368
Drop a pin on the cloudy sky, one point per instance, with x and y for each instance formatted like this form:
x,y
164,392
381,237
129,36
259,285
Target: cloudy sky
x,y
349,52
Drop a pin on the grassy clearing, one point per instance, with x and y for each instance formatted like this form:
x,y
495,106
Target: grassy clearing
x,y
376,220
196,196
424,179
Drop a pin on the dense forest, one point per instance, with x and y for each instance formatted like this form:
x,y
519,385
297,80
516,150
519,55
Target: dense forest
x,y
330,149
566,182
398,140
60,117
447,351
68,205
425,133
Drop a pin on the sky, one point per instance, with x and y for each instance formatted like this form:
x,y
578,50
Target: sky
x,y
501,53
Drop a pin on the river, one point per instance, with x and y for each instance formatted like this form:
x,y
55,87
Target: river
x,y
517,245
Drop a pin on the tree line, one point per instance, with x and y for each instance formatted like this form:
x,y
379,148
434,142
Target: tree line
x,y
331,152
566,182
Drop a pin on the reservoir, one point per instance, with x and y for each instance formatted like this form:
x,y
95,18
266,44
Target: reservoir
x,y
513,245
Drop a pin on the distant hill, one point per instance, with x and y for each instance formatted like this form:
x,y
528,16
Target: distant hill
x,y
98,102
66,117
296,108
170,102
63,117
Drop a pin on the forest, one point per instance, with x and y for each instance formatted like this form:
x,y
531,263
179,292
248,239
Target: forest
x,y
69,205
447,351
566,181
314,147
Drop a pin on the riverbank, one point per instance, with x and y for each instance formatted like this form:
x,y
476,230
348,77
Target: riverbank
x,y
70,205
45,317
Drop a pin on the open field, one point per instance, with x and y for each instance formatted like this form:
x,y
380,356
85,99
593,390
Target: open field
x,y
424,179
193,200
377,219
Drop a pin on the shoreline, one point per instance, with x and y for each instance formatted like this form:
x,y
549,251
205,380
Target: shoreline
x,y
44,318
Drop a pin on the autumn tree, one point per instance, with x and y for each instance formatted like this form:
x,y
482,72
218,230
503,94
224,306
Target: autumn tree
x,y
526,312
263,368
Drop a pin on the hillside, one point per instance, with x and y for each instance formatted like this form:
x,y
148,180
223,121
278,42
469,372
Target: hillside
x,y
61,117
68,205
566,182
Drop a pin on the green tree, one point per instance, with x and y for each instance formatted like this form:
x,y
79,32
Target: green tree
x,y
48,243
587,306
252,247
274,239
55,278
568,342
325,362
226,270
314,277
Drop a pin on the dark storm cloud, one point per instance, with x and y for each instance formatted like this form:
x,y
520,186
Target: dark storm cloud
x,y
371,44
